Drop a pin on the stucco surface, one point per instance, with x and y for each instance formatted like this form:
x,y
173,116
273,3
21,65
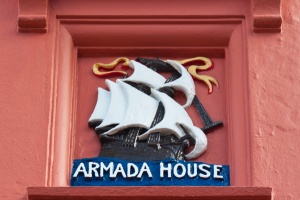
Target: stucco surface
x,y
24,105
273,76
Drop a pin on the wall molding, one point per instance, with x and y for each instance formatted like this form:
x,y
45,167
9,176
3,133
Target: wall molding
x,y
33,16
266,16
73,39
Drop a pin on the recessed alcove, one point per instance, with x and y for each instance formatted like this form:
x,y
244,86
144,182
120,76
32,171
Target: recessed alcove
x,y
225,103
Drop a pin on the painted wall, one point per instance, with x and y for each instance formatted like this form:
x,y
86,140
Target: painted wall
x,y
25,84
274,76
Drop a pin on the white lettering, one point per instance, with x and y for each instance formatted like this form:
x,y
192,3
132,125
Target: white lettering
x,y
205,171
119,169
110,167
176,170
145,168
80,168
93,168
132,170
190,174
217,170
163,169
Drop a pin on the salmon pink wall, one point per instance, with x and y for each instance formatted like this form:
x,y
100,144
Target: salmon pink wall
x,y
25,81
274,103
31,91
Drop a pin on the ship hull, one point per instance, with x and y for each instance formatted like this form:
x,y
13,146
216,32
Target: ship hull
x,y
143,151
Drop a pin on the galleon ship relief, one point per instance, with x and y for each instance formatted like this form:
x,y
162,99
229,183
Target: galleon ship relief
x,y
144,132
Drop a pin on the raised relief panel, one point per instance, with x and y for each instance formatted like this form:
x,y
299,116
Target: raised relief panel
x,y
148,121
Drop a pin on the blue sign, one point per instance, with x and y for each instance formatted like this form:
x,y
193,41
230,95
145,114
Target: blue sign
x,y
101,171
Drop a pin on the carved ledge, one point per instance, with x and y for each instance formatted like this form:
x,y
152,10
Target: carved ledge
x,y
146,192
33,16
266,16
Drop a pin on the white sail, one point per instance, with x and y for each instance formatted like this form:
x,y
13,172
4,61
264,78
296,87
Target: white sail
x,y
174,116
101,107
200,140
173,113
141,109
184,83
117,107
143,74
